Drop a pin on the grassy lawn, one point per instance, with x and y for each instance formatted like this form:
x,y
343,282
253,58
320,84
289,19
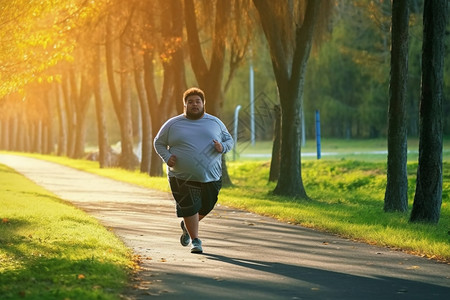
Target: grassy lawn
x,y
43,254
346,192
52,250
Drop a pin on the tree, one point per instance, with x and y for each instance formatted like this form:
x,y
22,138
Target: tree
x,y
221,24
104,148
289,29
396,196
121,99
428,196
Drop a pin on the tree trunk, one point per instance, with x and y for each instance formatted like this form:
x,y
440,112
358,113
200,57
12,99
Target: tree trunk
x,y
178,57
49,124
104,149
37,141
13,128
21,134
146,140
81,107
62,120
290,45
155,163
276,148
69,95
396,196
290,181
428,196
210,77
128,160
5,133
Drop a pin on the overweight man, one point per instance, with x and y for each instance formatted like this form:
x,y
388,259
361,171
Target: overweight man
x,y
192,145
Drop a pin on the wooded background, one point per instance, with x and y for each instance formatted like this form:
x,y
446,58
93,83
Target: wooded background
x,y
55,55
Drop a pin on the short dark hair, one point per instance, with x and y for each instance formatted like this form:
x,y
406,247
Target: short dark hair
x,y
193,91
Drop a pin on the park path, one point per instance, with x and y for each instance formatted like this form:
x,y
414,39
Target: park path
x,y
246,256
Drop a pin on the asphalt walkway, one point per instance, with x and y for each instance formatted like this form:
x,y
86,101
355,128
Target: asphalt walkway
x,y
246,256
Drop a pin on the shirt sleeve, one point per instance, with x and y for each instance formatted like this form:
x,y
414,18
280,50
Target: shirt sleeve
x,y
161,143
227,140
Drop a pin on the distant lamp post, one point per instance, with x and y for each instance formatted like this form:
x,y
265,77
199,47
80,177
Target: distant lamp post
x,y
235,133
318,134
252,101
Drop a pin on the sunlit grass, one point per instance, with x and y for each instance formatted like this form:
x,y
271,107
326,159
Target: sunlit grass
x,y
334,149
52,250
346,199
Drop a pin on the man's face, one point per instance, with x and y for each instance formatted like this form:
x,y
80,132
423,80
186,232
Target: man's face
x,y
194,108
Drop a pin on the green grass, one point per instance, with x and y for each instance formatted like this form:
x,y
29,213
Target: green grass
x,y
335,149
346,198
52,250
43,253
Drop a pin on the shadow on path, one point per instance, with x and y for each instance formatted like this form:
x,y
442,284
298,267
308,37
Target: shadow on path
x,y
247,256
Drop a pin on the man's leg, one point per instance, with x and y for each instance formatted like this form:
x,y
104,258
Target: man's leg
x,y
191,224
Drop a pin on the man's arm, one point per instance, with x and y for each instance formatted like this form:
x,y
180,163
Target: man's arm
x,y
227,140
161,143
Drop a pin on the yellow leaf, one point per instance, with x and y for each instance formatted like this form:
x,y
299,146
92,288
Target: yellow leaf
x,y
81,276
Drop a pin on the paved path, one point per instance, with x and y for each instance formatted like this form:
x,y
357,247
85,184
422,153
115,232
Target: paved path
x,y
246,256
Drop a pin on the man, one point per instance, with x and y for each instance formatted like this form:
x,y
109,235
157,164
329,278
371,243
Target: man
x,y
192,144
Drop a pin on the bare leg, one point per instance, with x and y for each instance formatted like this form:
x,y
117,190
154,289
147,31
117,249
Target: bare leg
x,y
191,224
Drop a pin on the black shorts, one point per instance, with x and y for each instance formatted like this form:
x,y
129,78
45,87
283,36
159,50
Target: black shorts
x,y
193,197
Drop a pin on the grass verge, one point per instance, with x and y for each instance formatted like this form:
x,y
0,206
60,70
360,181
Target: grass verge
x,y
346,199
52,250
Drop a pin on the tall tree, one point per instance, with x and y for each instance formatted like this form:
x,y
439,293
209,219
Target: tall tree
x,y
209,75
396,196
289,29
428,196
208,59
104,148
164,36
117,38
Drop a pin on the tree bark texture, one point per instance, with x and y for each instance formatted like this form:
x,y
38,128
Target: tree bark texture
x,y
146,137
428,196
396,195
62,120
70,113
104,149
290,44
276,149
128,160
81,106
210,77
155,117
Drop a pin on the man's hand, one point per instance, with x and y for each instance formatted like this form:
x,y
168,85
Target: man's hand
x,y
171,161
218,146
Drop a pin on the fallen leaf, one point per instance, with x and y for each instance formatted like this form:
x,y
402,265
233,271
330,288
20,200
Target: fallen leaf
x,y
413,268
5,220
81,276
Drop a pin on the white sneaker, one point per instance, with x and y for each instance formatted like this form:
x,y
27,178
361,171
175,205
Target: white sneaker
x,y
196,246
185,239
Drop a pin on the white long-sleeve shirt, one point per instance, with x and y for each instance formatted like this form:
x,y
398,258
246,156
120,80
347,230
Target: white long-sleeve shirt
x,y
191,141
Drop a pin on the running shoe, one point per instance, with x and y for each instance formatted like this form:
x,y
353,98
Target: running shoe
x,y
196,246
185,239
